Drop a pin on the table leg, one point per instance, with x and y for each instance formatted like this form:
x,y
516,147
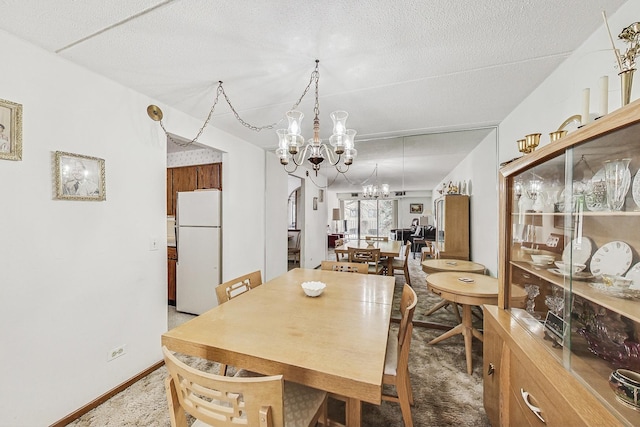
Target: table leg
x,y
389,266
455,331
353,416
468,334
437,307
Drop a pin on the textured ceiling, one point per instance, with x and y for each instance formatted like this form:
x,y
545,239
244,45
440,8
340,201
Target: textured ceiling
x,y
399,67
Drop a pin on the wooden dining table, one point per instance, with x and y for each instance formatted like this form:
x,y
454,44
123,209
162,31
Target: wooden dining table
x,y
335,342
389,249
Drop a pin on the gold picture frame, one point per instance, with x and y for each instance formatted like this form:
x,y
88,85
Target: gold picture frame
x,y
416,208
10,130
79,177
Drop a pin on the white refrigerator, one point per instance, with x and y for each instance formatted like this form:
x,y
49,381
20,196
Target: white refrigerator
x,y
198,243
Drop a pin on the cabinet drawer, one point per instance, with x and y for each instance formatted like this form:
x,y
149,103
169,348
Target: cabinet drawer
x,y
554,409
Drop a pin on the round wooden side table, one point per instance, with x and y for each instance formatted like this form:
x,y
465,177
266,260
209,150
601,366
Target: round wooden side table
x,y
467,289
438,265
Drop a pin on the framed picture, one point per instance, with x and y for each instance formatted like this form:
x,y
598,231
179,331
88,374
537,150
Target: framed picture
x,y
415,208
79,177
10,130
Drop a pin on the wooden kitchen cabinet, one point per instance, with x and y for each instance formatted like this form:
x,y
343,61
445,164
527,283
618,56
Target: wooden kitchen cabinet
x,y
209,176
452,227
190,178
554,359
172,259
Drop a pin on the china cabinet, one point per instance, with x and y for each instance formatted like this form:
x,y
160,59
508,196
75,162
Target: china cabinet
x,y
452,226
577,201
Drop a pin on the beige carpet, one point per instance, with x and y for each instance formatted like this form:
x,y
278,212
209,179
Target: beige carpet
x,y
444,394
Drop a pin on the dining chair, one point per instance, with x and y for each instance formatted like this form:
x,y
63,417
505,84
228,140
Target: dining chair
x,y
341,254
215,400
345,267
236,287
402,262
369,256
396,365
293,248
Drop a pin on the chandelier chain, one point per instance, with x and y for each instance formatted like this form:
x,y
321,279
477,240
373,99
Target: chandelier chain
x,y
315,76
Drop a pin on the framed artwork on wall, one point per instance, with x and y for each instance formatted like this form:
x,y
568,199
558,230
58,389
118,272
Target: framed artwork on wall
x,y
10,130
415,208
79,177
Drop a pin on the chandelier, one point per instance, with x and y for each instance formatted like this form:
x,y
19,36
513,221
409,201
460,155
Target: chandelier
x,y
290,140
375,190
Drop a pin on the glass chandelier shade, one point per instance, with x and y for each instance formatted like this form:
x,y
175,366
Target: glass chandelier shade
x,y
291,145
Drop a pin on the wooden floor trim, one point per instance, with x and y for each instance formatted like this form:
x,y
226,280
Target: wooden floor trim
x,y
108,395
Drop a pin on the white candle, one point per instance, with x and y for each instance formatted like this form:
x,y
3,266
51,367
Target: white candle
x,y
604,95
585,105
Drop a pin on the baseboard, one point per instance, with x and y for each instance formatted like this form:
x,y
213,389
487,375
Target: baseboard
x,y
108,395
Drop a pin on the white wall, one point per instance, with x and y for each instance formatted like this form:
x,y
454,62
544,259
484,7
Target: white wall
x,y
404,213
560,95
78,278
276,217
313,246
479,170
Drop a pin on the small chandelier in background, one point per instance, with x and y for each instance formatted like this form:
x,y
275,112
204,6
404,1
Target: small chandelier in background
x,y
290,140
375,190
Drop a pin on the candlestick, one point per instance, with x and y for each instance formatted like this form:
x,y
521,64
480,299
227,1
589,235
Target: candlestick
x,y
585,105
604,95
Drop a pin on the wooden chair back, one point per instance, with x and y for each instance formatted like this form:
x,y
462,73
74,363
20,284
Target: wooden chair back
x,y
222,401
236,287
405,253
345,267
365,255
377,238
368,256
408,302
340,253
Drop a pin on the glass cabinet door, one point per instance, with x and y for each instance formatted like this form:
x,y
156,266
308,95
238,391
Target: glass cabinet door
x,y
575,249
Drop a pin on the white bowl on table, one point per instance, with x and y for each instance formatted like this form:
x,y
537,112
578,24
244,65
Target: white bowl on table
x,y
313,289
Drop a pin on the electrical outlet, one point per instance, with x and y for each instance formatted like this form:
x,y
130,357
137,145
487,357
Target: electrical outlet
x,y
116,352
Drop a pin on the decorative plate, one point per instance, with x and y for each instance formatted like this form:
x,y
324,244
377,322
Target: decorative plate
x,y
613,258
636,189
634,274
582,275
581,249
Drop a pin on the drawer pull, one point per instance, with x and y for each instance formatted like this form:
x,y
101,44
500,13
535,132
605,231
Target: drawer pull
x,y
491,369
533,408
526,276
